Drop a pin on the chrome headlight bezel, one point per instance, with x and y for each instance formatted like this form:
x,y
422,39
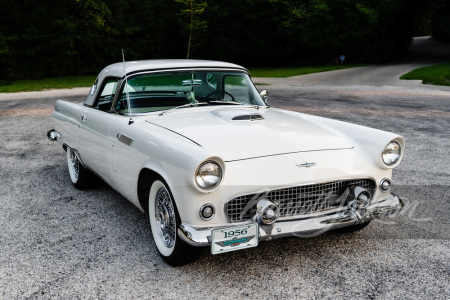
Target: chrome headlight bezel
x,y
209,168
391,154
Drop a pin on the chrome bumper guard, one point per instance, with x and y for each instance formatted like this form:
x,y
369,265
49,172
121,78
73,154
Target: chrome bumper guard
x,y
307,227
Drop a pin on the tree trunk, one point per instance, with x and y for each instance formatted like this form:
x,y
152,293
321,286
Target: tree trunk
x,y
190,31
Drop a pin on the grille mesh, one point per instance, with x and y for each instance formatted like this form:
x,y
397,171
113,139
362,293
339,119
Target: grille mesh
x,y
297,201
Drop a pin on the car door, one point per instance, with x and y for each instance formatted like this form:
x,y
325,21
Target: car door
x,y
94,147
126,160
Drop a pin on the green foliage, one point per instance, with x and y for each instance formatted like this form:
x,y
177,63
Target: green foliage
x,y
191,21
75,37
277,32
47,83
435,74
440,20
5,59
289,72
82,36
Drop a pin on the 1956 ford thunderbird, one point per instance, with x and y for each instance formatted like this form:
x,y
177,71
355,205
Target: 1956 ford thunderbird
x,y
194,144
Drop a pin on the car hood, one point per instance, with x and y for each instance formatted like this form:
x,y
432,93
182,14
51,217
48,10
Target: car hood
x,y
244,133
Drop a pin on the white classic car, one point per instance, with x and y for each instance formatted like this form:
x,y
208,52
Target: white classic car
x,y
196,146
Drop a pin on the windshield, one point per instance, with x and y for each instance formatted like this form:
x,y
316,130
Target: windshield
x,y
157,92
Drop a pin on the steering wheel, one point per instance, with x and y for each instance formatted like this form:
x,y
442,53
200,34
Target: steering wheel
x,y
221,92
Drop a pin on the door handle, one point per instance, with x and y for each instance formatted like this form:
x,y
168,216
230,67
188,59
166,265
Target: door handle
x,y
83,117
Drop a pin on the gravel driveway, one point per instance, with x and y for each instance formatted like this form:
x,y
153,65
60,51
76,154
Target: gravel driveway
x,y
60,243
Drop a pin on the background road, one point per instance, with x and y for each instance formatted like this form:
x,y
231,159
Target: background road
x,y
425,51
58,242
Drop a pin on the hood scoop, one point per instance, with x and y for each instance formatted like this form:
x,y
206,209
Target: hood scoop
x,y
237,115
248,117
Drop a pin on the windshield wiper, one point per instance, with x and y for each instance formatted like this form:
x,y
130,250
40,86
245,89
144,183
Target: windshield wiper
x,y
224,102
183,106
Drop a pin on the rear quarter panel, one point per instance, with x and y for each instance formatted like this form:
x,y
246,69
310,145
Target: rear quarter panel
x,y
66,120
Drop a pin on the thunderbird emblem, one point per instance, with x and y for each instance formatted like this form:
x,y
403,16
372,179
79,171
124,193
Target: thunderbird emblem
x,y
306,165
235,242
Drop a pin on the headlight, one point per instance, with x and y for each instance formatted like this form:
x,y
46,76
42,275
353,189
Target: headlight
x,y
391,154
208,175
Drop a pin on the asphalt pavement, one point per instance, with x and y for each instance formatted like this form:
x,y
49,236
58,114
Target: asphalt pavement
x,y
424,51
60,243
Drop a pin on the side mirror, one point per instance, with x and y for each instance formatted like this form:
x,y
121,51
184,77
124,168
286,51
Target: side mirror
x,y
264,95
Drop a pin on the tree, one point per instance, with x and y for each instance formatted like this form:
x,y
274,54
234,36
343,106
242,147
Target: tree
x,y
440,20
75,37
191,17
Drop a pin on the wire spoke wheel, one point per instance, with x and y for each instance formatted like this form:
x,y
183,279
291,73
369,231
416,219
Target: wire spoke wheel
x,y
164,222
81,177
75,163
165,217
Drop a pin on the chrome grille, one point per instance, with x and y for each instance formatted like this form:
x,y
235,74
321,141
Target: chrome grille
x,y
297,201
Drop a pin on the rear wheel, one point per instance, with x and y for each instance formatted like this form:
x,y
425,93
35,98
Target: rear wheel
x,y
164,222
80,176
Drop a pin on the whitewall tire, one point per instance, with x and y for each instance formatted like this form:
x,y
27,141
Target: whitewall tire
x,y
164,223
80,176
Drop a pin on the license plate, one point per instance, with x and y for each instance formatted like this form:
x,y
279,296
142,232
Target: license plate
x,y
234,238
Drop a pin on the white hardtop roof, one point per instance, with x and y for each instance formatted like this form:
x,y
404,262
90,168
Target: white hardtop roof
x,y
116,69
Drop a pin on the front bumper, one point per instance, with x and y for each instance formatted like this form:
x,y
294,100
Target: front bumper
x,y
305,227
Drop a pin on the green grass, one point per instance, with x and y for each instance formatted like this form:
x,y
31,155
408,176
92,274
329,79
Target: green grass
x,y
289,72
47,83
435,74
87,81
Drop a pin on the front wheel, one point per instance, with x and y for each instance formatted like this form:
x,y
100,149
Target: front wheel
x,y
164,222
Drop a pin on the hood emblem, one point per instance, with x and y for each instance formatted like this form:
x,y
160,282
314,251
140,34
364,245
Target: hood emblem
x,y
306,165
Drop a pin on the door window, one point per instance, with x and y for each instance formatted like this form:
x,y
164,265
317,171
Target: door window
x,y
106,97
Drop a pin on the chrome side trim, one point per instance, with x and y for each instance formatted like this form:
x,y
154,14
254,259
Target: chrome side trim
x,y
200,236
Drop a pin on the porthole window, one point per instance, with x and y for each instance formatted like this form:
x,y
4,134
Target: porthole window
x,y
212,82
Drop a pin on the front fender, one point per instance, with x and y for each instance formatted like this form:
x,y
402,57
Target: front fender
x,y
368,141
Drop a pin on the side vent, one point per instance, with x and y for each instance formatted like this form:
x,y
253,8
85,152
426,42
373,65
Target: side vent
x,y
251,117
125,139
